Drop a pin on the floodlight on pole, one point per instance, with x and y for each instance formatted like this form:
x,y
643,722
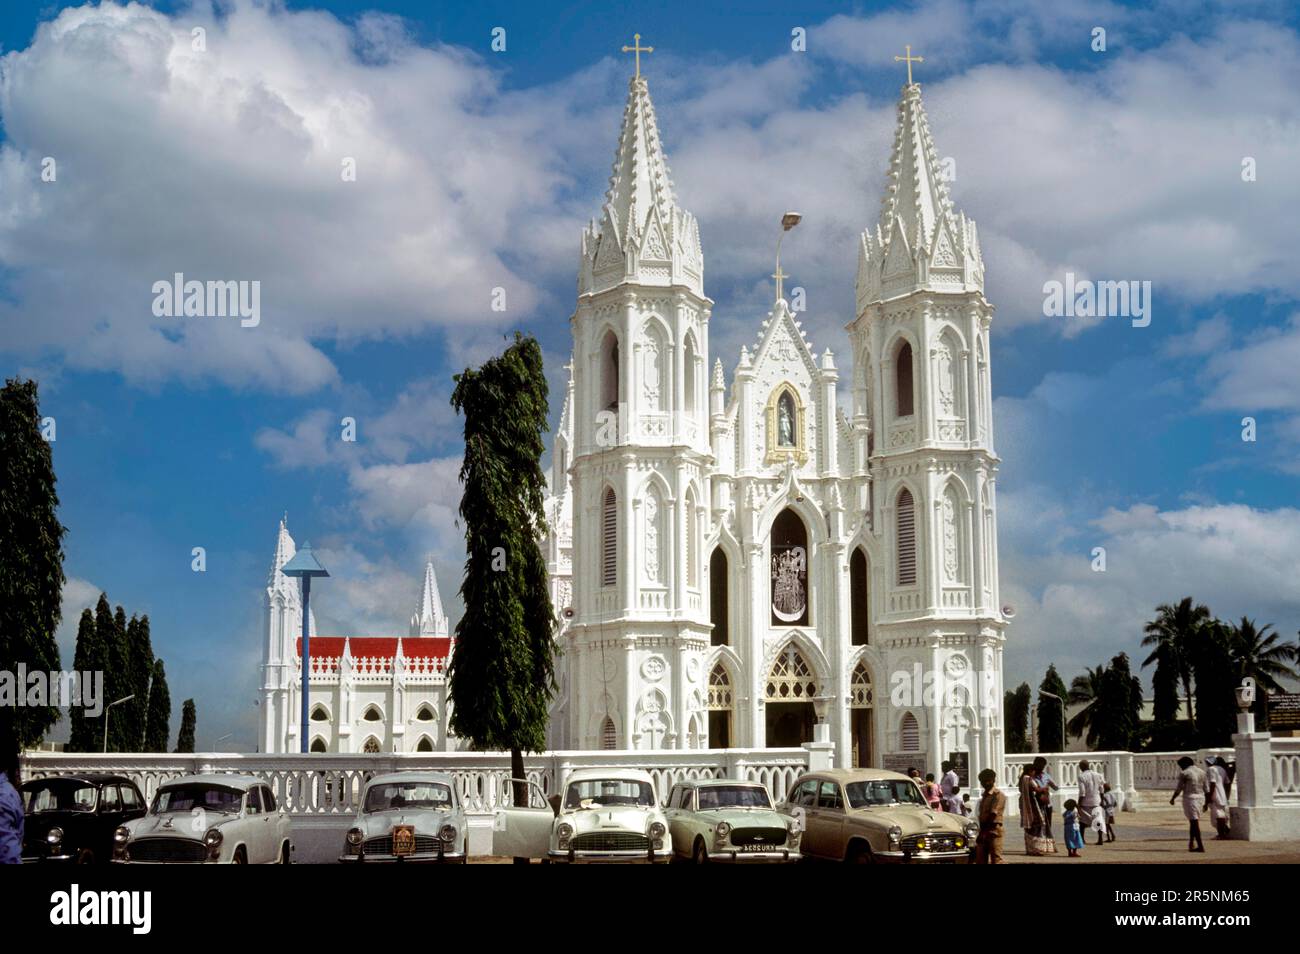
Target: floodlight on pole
x,y
106,710
304,566
1052,695
788,221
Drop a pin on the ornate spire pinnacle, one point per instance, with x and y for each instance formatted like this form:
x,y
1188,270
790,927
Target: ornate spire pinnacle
x,y
429,619
921,242
643,237
284,552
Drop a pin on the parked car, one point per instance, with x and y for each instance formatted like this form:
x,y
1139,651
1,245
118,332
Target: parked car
x,y
726,820
604,815
72,818
409,817
871,815
208,819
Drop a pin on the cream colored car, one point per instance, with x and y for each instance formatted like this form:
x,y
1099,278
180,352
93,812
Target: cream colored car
x,y
871,815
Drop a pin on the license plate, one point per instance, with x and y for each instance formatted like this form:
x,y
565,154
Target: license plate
x,y
758,847
403,839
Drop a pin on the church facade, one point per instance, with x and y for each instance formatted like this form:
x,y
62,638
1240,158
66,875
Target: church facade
x,y
368,693
761,560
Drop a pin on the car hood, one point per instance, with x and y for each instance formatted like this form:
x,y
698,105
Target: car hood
x,y
424,820
913,821
177,825
744,817
614,818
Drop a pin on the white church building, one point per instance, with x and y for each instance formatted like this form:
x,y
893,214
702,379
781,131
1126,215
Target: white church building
x,y
368,693
735,561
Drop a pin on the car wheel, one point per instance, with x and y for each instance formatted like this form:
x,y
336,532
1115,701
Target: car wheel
x,y
860,854
239,858
85,857
700,854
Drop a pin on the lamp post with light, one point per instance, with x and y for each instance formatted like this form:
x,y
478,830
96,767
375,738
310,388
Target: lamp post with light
x,y
106,711
304,566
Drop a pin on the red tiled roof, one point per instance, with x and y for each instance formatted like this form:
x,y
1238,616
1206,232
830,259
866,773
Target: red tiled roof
x,y
382,647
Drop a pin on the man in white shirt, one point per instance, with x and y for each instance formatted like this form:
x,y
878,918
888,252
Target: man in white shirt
x,y
948,787
1091,783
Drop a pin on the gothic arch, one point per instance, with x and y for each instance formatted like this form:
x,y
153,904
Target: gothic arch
x,y
955,533
608,552
426,707
909,732
654,537
425,744
653,717
320,713
722,688
372,746
950,374
791,677
605,710
692,542
792,571
907,549
811,653
787,498
778,449
654,369
609,371
372,713
319,744
691,388
894,349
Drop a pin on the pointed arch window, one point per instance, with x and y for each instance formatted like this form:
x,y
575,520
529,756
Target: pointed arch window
x,y
718,593
905,517
789,570
608,734
609,388
719,706
689,374
318,745
861,695
424,745
371,747
692,542
318,714
372,714
609,539
903,380
909,734
425,714
859,603
791,678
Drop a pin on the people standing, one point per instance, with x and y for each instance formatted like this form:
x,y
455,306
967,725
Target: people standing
x,y
1191,785
1070,821
1031,809
931,791
1091,783
1109,803
11,803
993,808
1046,785
1216,783
950,789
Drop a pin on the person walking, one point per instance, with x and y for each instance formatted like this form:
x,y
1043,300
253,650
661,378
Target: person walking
x,y
1216,782
1070,822
1046,785
993,808
1109,803
950,789
1091,783
1191,785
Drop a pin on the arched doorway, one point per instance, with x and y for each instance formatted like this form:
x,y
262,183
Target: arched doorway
x,y
718,610
719,704
788,695
861,704
789,570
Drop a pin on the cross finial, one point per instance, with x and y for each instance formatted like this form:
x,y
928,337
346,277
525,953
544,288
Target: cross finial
x,y
910,59
780,277
638,49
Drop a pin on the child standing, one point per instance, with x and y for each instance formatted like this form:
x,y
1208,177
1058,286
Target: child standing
x,y
1073,837
1109,802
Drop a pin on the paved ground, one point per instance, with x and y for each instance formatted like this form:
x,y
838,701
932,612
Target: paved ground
x,y
1156,836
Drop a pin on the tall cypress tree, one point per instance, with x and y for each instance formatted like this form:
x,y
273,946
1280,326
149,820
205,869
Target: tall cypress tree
x,y
82,737
122,684
1051,724
1216,684
140,668
158,720
31,556
502,669
189,722
1119,699
1016,708
102,662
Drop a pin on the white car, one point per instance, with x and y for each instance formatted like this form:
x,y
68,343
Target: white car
x,y
208,819
409,817
609,815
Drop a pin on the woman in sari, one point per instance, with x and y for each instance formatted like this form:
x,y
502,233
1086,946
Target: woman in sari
x,y
1031,811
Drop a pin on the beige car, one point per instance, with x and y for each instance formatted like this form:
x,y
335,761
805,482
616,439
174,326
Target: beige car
x,y
871,815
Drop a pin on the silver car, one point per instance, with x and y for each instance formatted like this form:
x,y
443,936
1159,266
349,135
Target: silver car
x,y
409,817
208,819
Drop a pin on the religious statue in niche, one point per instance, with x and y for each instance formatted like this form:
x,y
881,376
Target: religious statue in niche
x,y
790,584
785,421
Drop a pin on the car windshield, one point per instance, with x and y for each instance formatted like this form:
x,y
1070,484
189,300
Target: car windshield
x,y
393,795
713,797
186,798
883,791
59,795
599,792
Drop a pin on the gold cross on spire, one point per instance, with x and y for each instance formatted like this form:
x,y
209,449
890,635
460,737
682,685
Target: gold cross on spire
x,y
910,60
638,49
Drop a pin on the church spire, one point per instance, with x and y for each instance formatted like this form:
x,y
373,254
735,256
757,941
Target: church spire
x,y
429,619
643,237
920,241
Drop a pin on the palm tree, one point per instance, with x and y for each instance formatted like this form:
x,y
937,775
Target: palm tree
x,y
1257,654
1087,689
1172,634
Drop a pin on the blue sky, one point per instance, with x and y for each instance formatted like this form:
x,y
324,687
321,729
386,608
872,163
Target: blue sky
x,y
477,169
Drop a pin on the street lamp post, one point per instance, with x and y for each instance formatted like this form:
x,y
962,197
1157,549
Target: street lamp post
x,y
106,711
788,221
1052,695
304,566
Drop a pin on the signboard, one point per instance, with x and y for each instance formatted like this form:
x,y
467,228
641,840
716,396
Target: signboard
x,y
902,761
1283,711
961,765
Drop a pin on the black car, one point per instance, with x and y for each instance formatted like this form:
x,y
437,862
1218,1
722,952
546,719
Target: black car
x,y
72,818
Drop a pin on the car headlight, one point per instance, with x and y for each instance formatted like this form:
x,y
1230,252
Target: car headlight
x,y
722,831
972,832
448,833
895,835
657,829
54,835
355,836
121,836
213,840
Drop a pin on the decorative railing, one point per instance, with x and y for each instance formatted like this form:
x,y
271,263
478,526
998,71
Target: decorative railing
x,y
1286,770
330,784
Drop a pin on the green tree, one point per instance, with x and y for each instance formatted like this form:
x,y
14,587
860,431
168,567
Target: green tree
x,y
1173,636
1050,713
140,669
84,660
100,658
1119,706
1087,689
122,683
1015,706
502,670
1257,654
1216,684
1166,730
31,557
189,720
159,717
